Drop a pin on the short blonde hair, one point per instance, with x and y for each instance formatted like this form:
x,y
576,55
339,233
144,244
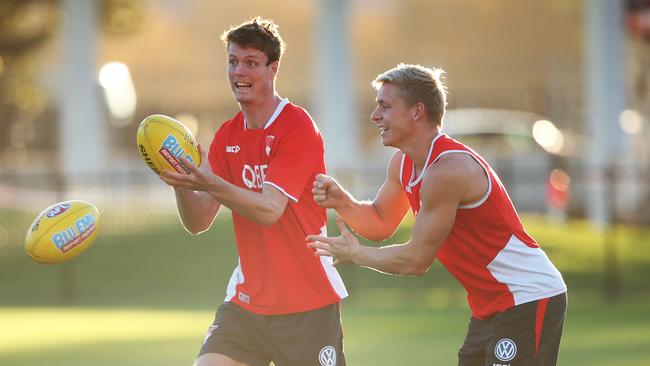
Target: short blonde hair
x,y
418,84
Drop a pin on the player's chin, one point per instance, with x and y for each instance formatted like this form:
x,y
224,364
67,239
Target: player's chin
x,y
387,142
243,97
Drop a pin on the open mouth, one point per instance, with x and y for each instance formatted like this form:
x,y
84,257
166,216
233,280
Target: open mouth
x,y
243,86
382,130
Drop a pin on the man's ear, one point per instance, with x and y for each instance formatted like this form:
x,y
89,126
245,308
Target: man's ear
x,y
418,111
275,66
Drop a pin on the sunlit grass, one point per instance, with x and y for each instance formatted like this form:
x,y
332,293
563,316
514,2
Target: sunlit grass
x,y
374,335
24,330
147,298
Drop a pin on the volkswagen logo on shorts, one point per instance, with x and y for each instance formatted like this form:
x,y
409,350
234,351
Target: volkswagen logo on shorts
x,y
505,350
327,356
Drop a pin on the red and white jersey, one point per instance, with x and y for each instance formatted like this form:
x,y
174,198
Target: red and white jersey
x,y
487,250
277,272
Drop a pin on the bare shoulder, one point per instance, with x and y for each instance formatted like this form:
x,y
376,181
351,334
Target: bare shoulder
x,y
454,169
395,164
458,175
459,165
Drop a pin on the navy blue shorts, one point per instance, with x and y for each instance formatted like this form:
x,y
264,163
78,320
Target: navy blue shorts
x,y
527,334
307,338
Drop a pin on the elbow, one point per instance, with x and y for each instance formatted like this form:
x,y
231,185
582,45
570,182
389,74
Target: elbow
x,y
195,231
270,218
419,270
197,228
418,267
377,236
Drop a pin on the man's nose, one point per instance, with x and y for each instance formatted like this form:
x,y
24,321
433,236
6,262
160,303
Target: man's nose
x,y
375,116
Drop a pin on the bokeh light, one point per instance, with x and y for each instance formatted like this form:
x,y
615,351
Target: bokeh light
x,y
559,180
631,121
548,136
190,121
119,91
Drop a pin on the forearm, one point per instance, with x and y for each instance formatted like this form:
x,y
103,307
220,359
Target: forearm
x,y
252,205
365,219
196,209
399,259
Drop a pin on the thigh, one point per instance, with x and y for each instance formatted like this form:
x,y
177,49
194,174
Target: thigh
x,y
512,336
311,338
235,336
215,359
527,334
549,333
472,352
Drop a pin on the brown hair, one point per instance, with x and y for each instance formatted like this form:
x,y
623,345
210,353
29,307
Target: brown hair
x,y
418,84
258,33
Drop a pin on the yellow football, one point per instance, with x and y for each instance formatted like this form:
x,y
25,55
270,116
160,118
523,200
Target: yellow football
x,y
163,141
62,231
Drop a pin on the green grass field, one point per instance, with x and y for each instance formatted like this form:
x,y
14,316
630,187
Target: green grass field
x,y
147,299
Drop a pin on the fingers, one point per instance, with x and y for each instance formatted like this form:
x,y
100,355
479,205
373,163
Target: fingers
x,y
171,178
203,153
321,184
321,239
347,234
322,181
189,166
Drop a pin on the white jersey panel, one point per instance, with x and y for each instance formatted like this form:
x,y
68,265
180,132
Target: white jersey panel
x,y
527,272
332,274
236,278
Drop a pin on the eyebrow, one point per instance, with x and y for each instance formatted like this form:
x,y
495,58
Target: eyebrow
x,y
255,57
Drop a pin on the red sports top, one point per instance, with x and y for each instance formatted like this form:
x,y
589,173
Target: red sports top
x,y
487,250
277,272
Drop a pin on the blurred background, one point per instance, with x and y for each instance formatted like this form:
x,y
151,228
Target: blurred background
x,y
555,94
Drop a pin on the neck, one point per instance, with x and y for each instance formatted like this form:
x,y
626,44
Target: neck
x,y
418,148
257,114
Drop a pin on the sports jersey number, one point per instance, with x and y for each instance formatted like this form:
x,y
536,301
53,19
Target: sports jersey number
x,y
253,177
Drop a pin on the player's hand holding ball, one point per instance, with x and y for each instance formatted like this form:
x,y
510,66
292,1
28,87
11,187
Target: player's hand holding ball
x,y
166,144
196,179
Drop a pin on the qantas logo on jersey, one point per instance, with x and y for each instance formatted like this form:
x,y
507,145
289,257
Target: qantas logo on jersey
x,y
234,149
253,176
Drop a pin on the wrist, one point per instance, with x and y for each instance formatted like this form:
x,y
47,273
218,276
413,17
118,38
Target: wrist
x,y
358,254
346,203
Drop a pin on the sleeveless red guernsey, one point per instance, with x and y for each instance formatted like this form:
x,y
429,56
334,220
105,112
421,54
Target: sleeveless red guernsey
x,y
487,250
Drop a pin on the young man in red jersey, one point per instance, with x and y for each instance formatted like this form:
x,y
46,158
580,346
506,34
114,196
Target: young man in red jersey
x,y
464,218
282,302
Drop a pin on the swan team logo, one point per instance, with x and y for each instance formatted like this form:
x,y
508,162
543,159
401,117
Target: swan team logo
x,y
268,144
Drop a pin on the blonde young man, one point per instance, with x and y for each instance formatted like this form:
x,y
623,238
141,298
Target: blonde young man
x,y
282,302
464,218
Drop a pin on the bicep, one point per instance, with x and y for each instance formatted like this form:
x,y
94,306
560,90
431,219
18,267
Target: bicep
x,y
437,214
391,202
433,224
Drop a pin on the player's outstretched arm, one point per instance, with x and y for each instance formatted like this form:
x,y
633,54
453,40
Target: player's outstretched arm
x,y
202,191
442,190
376,220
